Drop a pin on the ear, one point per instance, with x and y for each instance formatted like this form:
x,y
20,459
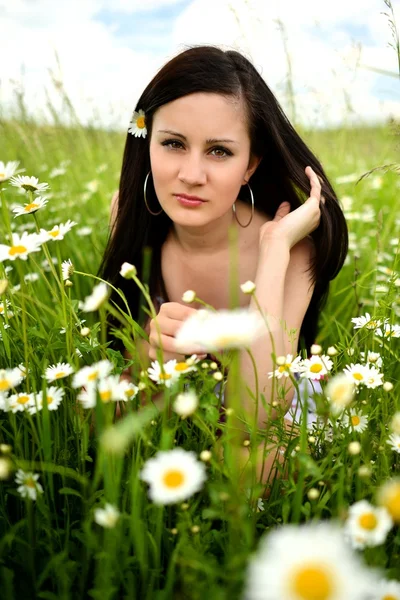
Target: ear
x,y
253,164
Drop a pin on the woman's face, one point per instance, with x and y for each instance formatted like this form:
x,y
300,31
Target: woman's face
x,y
200,147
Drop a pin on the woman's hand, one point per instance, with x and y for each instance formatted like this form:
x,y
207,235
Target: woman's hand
x,y
291,227
162,333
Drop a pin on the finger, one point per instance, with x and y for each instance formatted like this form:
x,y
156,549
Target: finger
x,y
165,325
283,210
177,311
314,182
166,342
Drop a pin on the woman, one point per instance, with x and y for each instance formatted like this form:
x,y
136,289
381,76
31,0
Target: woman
x,y
210,148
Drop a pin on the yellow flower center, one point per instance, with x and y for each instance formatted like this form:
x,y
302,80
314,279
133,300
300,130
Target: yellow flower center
x,y
372,324
355,420
140,122
60,374
391,501
2,175
30,482
358,376
368,521
17,250
284,367
4,385
389,597
54,233
49,399
1,309
181,366
105,396
173,479
316,368
93,376
22,399
31,206
129,393
312,582
165,376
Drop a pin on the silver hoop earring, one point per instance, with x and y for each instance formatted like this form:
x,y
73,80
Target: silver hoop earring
x,y
252,209
145,197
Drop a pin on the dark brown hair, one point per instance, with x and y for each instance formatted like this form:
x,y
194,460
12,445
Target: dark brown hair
x,y
280,176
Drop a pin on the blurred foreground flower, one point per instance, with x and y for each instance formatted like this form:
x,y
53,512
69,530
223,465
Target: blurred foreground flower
x,y
98,296
107,517
186,403
219,330
173,476
340,392
169,372
29,487
307,562
389,497
367,525
9,378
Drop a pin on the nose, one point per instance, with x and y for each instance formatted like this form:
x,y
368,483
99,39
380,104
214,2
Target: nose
x,y
192,171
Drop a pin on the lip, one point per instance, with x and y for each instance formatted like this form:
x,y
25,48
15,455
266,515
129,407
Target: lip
x,y
187,197
186,200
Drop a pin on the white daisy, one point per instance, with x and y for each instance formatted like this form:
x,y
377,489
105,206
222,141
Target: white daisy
x,y
356,372
91,373
127,270
19,402
357,421
387,590
58,232
373,358
389,497
163,374
58,371
107,388
306,562
373,378
186,403
212,331
98,296
394,442
367,321
32,207
29,184
20,371
128,390
173,476
9,169
137,125
4,309
54,396
29,487
67,269
389,331
57,171
367,525
21,246
84,231
316,366
9,378
395,423
289,365
107,517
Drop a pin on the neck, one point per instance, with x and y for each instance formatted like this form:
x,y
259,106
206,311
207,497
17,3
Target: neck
x,y
207,239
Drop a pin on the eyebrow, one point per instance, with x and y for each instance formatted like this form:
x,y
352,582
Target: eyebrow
x,y
209,141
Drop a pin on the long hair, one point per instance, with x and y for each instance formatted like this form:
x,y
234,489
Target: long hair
x,y
279,176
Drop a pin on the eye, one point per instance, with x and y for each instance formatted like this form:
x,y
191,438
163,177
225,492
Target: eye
x,y
170,142
225,151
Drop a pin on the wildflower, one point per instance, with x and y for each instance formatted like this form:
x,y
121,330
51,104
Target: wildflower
x,y
20,402
8,170
32,207
166,374
340,392
57,232
367,525
316,349
248,287
9,378
85,331
90,374
387,590
372,357
316,366
307,562
29,184
367,321
3,285
394,442
356,421
83,231
173,476
313,494
395,423
20,371
128,390
4,306
53,395
29,487
98,296
21,246
188,296
286,366
387,386
354,448
389,497
373,378
137,125
5,468
357,373
31,277
205,455
186,403
219,330
108,389
364,471
331,351
127,270
5,448
389,331
67,269
107,517
58,371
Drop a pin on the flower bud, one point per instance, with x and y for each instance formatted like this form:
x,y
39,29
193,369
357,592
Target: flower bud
x,y
189,296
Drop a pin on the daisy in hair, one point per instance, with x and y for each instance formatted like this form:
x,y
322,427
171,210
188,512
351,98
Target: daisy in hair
x,y
29,184
173,476
30,208
21,246
29,486
137,125
58,232
58,371
367,525
53,395
286,366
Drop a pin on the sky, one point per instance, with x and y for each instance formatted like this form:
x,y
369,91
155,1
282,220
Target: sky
x,y
106,51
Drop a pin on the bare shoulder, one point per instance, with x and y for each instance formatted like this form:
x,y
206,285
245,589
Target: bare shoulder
x,y
114,208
